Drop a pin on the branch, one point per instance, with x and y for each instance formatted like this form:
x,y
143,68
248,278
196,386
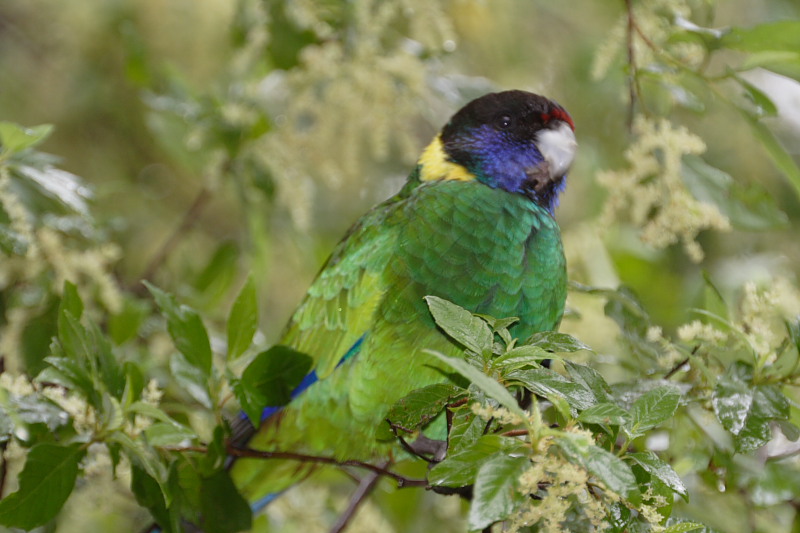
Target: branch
x,y
402,481
515,433
189,219
631,62
364,488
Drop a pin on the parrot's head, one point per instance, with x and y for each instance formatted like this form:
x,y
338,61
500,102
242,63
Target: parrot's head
x,y
514,140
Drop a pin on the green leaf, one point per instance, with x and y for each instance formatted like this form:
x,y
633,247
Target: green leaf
x,y
143,456
459,469
162,434
546,382
149,495
553,341
607,467
224,509
653,408
591,380
781,35
167,431
465,429
605,413
191,379
522,356
776,482
562,406
422,405
495,495
215,280
72,374
750,208
70,301
270,379
108,369
74,337
683,527
14,138
124,325
462,326
782,159
35,409
784,62
134,383
186,329
243,320
713,301
658,468
763,104
45,483
746,409
492,388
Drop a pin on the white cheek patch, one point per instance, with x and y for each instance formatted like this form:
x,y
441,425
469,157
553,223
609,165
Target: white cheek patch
x,y
558,148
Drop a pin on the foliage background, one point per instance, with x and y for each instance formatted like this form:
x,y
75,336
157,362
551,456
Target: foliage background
x,y
267,128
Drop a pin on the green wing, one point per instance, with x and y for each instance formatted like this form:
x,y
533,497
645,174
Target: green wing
x,y
340,304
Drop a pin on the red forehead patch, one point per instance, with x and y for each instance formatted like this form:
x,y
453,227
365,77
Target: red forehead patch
x,y
558,114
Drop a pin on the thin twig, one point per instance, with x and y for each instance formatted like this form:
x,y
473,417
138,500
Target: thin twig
x,y
402,481
631,63
189,219
366,486
515,433
3,468
675,369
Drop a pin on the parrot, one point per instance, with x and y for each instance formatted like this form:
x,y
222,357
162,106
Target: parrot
x,y
473,224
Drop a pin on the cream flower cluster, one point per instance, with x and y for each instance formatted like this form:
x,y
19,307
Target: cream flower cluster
x,y
652,192
758,321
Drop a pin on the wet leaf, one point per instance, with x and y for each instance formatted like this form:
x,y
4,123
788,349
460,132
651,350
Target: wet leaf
x,y
495,495
653,408
546,382
45,483
459,469
554,341
422,405
746,409
658,468
492,388
607,467
462,326
605,413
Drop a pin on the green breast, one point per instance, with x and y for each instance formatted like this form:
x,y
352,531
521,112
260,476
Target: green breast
x,y
485,249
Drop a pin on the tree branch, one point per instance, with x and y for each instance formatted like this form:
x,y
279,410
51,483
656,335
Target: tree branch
x,y
631,62
402,481
189,219
364,488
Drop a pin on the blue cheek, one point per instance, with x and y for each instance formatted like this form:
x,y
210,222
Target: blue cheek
x,y
502,162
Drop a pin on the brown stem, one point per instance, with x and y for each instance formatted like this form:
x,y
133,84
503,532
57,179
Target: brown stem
x,y
515,433
3,468
189,219
631,62
366,486
402,481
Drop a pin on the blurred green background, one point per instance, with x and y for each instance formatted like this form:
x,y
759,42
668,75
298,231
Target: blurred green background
x,y
267,128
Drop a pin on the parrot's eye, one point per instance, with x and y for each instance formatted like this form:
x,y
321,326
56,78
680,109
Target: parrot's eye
x,y
504,122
